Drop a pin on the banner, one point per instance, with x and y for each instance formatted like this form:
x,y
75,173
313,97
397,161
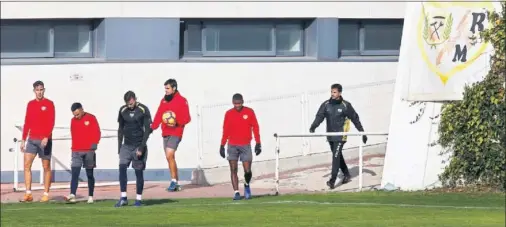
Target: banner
x,y
446,51
440,52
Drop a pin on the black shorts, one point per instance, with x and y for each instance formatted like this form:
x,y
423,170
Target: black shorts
x,y
35,147
127,155
85,159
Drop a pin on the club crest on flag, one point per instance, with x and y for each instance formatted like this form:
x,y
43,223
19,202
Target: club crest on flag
x,y
448,35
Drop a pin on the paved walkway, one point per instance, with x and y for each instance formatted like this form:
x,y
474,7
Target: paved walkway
x,y
307,180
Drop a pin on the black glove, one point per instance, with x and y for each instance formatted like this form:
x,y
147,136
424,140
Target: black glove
x,y
222,151
93,147
364,139
258,149
311,130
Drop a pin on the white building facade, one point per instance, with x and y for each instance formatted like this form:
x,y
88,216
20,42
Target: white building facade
x,y
282,56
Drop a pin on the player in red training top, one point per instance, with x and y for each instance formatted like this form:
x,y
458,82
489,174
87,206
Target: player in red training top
x,y
239,122
38,128
86,134
174,113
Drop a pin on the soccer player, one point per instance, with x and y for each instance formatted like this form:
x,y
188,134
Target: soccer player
x,y
338,113
134,120
38,128
174,105
239,123
85,132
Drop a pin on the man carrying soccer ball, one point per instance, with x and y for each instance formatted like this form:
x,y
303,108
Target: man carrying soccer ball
x,y
134,127
238,124
174,113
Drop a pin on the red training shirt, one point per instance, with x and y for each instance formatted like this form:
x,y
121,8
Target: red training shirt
x,y
237,127
85,132
179,106
39,119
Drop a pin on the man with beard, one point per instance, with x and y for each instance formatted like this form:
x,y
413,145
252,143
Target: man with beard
x,y
338,113
174,113
134,128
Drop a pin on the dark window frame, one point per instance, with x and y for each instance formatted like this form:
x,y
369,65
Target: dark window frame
x,y
362,51
217,23
51,24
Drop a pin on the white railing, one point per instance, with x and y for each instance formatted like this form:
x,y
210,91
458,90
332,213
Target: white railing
x,y
297,109
17,152
360,150
293,113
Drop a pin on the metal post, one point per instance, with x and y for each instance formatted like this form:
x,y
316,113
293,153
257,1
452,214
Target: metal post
x,y
360,165
302,116
16,165
200,152
276,173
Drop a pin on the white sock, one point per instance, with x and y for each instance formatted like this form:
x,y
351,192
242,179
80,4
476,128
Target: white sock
x,y
139,197
28,192
123,194
72,195
174,180
236,192
46,194
90,197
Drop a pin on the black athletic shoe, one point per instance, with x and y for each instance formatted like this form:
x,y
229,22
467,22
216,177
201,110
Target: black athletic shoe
x,y
331,184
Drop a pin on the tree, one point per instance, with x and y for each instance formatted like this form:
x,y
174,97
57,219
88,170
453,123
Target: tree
x,y
473,130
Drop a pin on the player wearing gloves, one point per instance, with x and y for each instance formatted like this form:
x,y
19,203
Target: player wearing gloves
x,y
338,113
238,125
86,134
174,113
134,128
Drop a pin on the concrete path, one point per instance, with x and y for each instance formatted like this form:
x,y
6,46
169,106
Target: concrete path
x,y
307,180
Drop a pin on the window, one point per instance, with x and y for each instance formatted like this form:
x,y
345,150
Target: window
x,y
371,37
243,38
46,39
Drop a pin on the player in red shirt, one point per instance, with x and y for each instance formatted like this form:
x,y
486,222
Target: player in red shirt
x,y
174,113
38,128
86,134
238,125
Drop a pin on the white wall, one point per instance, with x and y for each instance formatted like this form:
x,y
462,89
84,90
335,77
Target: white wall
x,y
289,93
98,9
368,86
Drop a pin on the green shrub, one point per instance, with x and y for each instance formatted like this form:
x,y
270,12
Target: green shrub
x,y
473,130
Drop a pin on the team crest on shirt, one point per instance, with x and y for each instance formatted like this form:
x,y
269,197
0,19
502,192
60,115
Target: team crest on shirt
x,y
86,123
245,116
339,110
43,108
132,114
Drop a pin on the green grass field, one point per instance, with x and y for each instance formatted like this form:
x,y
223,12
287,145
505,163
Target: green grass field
x,y
337,209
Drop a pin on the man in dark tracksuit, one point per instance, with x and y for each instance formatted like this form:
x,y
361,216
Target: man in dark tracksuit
x,y
338,113
134,127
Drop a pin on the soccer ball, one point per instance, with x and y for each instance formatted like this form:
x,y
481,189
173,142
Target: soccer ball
x,y
169,118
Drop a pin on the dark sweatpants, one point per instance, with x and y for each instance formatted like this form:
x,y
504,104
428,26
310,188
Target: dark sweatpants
x,y
338,161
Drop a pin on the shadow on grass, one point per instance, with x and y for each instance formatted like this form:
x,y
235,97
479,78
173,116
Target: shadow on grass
x,y
262,196
154,202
